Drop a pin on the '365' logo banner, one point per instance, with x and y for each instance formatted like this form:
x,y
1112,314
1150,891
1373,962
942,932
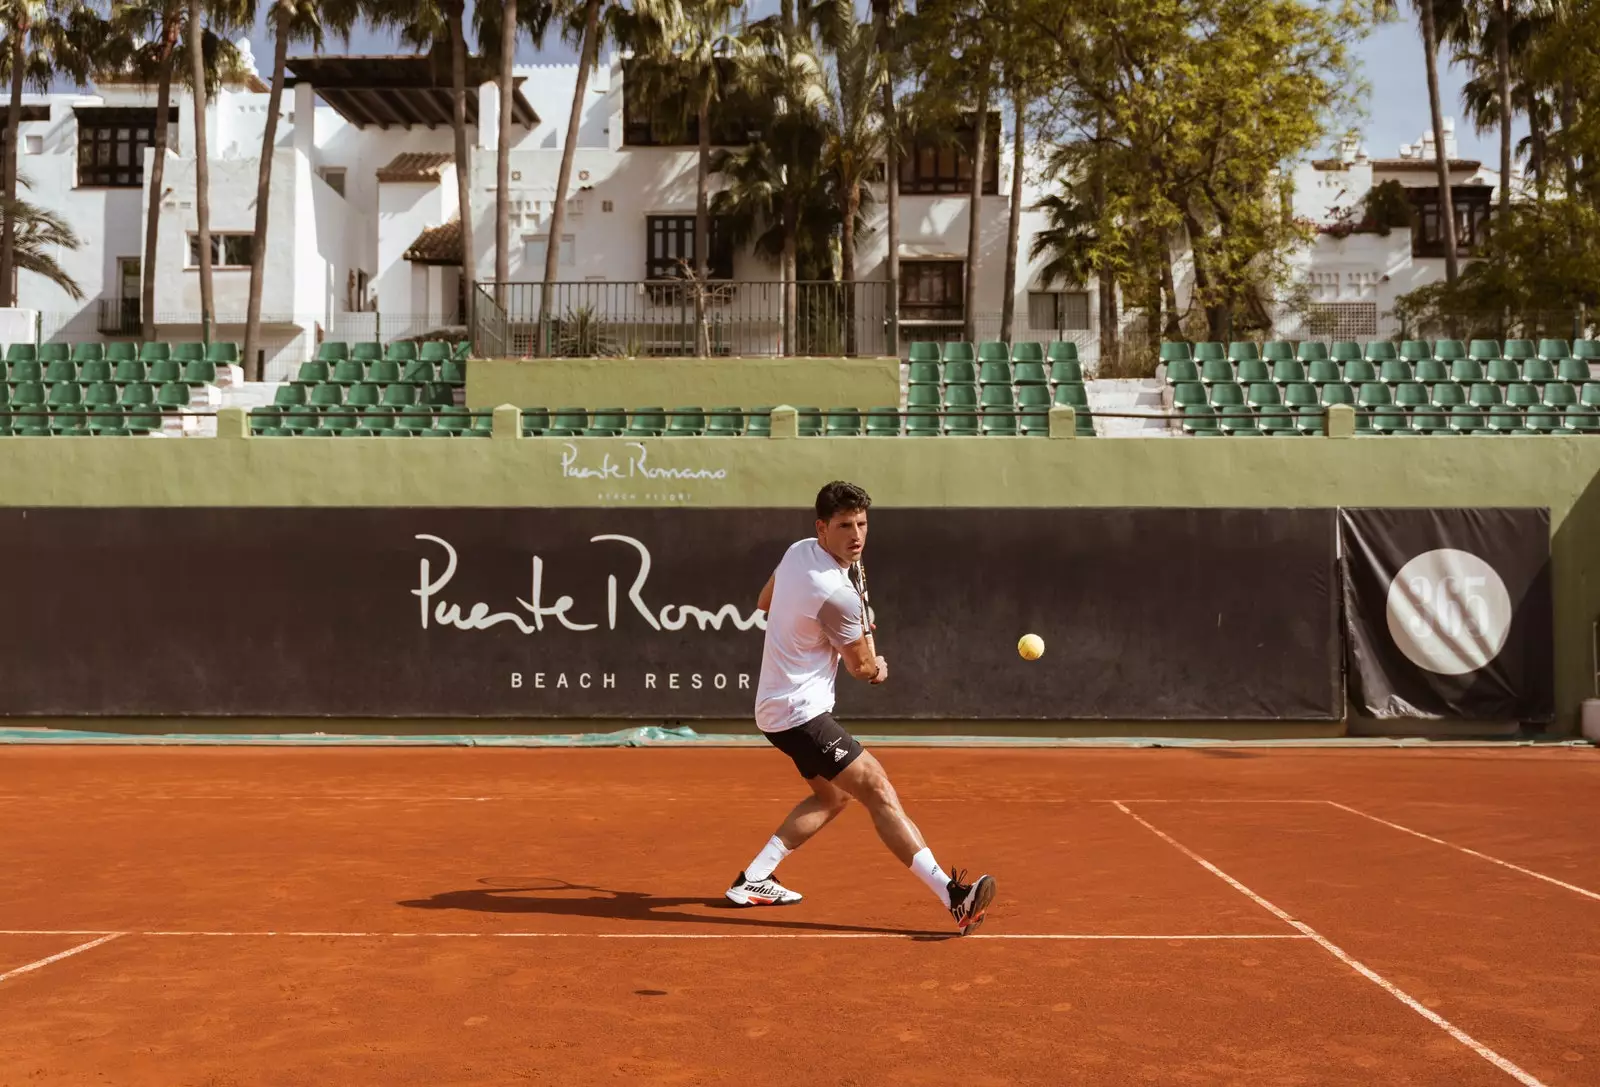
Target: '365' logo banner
x,y
1448,612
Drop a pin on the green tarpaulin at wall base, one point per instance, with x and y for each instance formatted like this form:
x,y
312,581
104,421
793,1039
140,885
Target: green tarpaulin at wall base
x,y
655,736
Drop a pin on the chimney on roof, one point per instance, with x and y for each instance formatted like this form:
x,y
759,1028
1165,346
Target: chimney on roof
x,y
1450,137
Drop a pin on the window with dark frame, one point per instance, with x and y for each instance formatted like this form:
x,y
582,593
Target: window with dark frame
x,y
645,120
1473,207
111,146
669,239
1058,311
227,250
933,166
932,290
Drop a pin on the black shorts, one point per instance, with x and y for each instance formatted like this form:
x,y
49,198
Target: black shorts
x,y
820,747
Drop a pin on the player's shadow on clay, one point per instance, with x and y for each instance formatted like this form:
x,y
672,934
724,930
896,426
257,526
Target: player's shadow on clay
x,y
637,906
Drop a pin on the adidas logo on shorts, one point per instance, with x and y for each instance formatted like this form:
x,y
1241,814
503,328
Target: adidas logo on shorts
x,y
838,753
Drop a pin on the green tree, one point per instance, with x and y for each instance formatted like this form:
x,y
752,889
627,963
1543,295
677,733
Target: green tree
x,y
38,234
886,18
854,143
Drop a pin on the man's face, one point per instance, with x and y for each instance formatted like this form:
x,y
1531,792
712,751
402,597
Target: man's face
x,y
845,535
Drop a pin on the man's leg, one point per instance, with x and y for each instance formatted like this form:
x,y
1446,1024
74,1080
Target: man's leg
x,y
865,780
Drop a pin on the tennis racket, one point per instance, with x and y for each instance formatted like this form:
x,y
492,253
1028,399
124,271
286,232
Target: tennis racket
x,y
859,568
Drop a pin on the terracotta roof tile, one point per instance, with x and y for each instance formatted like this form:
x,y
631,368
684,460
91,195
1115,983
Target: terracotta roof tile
x,y
437,245
416,166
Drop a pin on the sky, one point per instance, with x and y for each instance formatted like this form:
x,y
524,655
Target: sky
x,y
1390,60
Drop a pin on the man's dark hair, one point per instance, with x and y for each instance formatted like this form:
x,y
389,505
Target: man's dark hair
x,y
841,497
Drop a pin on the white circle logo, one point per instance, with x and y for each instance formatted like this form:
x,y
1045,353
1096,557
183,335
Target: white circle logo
x,y
1449,612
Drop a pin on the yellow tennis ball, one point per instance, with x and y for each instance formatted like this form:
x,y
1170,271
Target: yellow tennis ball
x,y
1030,647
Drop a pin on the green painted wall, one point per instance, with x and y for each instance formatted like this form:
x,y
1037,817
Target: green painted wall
x,y
636,383
1562,473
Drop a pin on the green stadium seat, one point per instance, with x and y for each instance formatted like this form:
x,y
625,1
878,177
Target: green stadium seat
x,y
535,421
1483,350
960,372
1243,351
199,372
924,351
1185,395
1347,351
1559,394
1502,371
1589,395
1077,396
364,395
69,420
1288,371
809,421
1200,420
463,351
1339,393
1033,396
366,352
1449,350
302,421
1171,351
29,420
995,373
1586,349
222,353
1276,351
1276,419
29,393
686,422
383,371
64,394
399,396
960,396
165,371
883,423
1430,371
1239,421
1250,371
924,396
314,372
106,419
266,422
155,352
993,351
1312,351
646,423
122,351
190,351
1410,395
724,422
1541,419
1216,371
339,422
1300,394
88,352
137,394
1064,351
1227,395
54,352
1178,372
1569,370
453,371
1448,394
1326,372
1395,371
1517,350
1359,372
1466,371
330,351
997,396
400,352
1210,352
100,394
347,372
961,422
1553,350
438,395
1028,352
375,423
1374,394
1484,395
94,370
999,421
60,370
1030,373
1415,351
1466,419
22,352
1506,419
452,420
1311,420
1583,419
1391,421
414,419
1539,370
289,396
174,395
1431,420
324,397
1381,351
924,373
958,351
434,351
1263,394
923,423
1523,395
1035,423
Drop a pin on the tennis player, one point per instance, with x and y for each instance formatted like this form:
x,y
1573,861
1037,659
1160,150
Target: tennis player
x,y
816,617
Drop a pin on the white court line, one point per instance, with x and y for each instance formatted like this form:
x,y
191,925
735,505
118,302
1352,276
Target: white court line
x,y
1343,956
1470,852
1087,936
58,956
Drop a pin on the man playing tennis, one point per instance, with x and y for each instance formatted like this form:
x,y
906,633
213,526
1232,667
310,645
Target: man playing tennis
x,y
815,618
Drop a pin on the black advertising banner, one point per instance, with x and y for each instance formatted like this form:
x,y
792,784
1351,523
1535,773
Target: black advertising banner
x,y
1146,614
1449,613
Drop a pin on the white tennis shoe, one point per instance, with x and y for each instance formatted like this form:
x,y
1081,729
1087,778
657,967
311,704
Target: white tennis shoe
x,y
760,892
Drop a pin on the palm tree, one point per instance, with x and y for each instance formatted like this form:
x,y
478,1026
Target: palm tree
x,y
853,132
532,18
686,58
1447,214
202,167
44,40
885,14
38,234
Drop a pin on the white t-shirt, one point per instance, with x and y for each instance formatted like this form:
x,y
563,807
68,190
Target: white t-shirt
x,y
815,611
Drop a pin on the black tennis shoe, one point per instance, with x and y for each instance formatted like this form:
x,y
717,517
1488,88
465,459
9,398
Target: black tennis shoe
x,y
969,901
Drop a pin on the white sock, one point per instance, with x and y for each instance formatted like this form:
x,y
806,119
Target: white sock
x,y
767,860
929,872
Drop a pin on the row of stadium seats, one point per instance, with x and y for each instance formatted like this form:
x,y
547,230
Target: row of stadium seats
x,y
124,372
992,351
1389,371
221,354
1411,394
332,351
326,396
175,394
1061,372
110,419
998,396
1378,350
382,372
1240,420
408,420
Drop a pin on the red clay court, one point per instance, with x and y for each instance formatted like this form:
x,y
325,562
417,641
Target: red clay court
x,y
203,917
